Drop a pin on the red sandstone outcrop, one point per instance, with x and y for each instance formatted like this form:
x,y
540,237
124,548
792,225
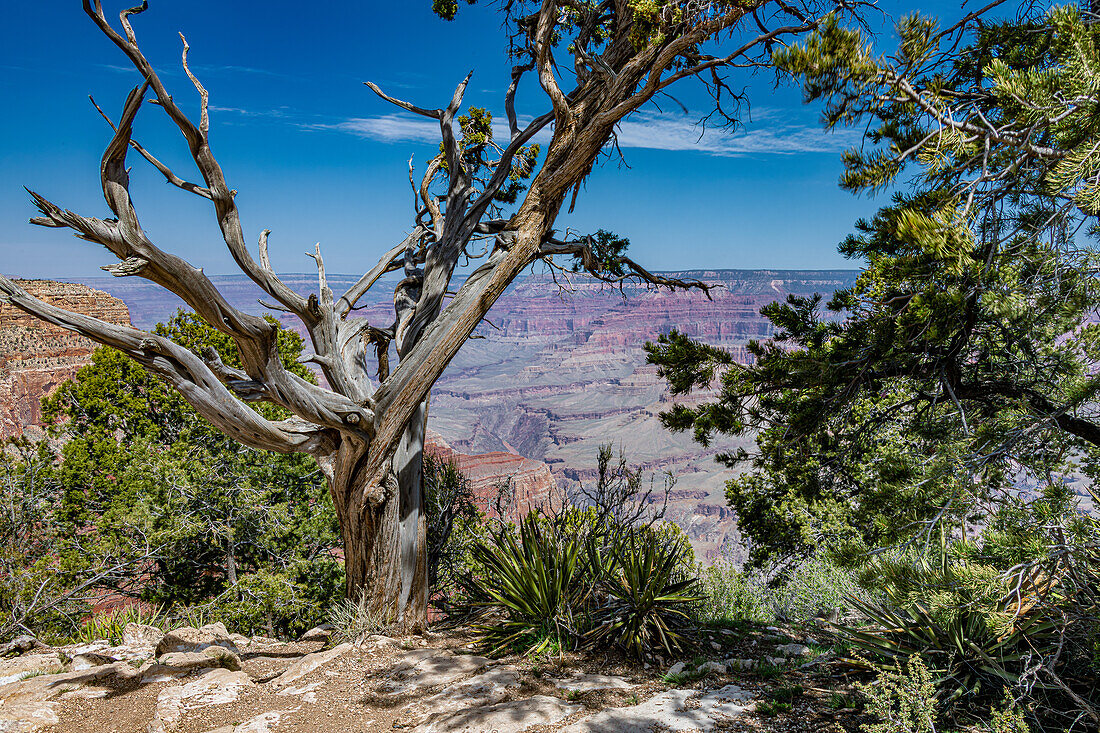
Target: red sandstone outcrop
x,y
37,357
502,481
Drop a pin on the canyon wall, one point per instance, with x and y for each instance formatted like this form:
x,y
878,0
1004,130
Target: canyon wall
x,y
556,372
37,357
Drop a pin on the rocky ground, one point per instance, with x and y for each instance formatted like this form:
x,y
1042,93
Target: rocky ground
x,y
208,680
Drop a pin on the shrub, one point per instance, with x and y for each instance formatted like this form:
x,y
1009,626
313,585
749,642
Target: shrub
x,y
643,603
354,621
732,596
902,698
813,587
454,524
534,581
279,603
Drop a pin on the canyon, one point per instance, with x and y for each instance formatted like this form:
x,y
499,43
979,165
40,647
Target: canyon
x,y
558,369
37,357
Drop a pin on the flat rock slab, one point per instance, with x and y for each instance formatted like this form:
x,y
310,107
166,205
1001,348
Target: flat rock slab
x,y
505,717
187,639
308,663
13,670
30,704
581,682
487,688
213,687
423,669
677,710
262,723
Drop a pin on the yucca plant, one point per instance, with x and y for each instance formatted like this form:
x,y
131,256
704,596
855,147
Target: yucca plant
x,y
110,624
642,603
533,583
959,616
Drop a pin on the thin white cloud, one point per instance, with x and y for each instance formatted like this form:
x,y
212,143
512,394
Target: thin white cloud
x,y
643,130
391,128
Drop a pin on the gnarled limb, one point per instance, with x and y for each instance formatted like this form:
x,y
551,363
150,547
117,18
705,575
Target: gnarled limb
x,y
186,372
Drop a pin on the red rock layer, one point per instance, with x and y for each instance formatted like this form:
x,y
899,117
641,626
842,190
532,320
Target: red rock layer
x,y
504,483
37,357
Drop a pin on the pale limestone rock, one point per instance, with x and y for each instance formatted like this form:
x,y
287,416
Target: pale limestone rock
x,y
240,640
581,682
12,670
318,633
213,656
505,717
141,635
213,687
262,723
30,704
307,692
19,645
161,673
308,663
677,668
423,669
715,667
187,639
742,664
675,710
377,641
88,660
793,650
487,688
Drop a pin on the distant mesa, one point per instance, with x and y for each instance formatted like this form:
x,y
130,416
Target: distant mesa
x,y
37,357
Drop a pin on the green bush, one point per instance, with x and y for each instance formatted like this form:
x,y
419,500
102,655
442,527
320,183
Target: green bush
x,y
280,604
554,585
643,602
902,698
731,596
812,588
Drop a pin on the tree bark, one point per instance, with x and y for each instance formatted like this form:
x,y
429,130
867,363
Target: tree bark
x,y
385,543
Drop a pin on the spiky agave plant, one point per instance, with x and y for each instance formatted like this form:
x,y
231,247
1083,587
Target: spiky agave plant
x,y
642,601
975,634
533,583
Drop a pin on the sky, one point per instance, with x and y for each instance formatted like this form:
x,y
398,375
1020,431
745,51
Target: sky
x,y
316,157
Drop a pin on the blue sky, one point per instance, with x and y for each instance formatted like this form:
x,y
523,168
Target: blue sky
x,y
316,156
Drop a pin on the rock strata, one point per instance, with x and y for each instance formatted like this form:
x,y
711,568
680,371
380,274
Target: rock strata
x,y
37,357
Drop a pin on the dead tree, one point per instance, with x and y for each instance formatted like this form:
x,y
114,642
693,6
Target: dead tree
x,y
367,434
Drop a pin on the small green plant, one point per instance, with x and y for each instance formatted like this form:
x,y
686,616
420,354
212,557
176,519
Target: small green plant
x,y
779,700
572,695
786,694
841,701
771,708
902,698
42,673
354,621
768,671
683,678
632,700
110,624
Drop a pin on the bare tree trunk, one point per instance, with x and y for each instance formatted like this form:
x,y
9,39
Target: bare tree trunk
x,y
385,544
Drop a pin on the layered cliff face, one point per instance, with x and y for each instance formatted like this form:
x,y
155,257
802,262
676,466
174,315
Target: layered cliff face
x,y
37,357
505,484
554,374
